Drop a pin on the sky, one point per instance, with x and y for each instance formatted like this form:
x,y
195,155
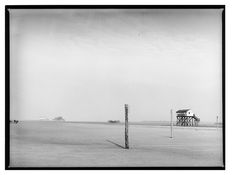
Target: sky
x,y
85,64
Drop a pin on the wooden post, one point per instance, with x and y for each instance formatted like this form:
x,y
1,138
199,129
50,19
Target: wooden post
x,y
171,123
126,127
217,122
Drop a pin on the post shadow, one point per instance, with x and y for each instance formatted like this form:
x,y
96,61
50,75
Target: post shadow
x,y
115,144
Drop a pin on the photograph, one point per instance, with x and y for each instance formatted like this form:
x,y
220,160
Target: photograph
x,y
115,87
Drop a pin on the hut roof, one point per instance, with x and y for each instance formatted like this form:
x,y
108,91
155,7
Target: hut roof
x,y
182,110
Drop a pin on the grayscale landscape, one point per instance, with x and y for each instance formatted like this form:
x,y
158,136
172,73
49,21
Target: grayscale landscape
x,y
69,144
78,76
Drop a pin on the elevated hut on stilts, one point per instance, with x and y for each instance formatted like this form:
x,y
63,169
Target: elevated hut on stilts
x,y
185,117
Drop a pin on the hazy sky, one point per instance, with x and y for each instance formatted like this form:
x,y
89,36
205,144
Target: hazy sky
x,y
85,65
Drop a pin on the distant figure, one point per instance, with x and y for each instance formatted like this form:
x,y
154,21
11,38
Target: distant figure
x,y
14,121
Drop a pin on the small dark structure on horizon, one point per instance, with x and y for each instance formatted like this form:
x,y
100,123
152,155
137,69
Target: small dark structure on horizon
x,y
59,119
113,121
186,117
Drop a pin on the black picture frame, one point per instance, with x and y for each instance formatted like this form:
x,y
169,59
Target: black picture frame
x,y
7,81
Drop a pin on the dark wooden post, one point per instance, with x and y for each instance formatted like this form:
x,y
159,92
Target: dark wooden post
x,y
126,127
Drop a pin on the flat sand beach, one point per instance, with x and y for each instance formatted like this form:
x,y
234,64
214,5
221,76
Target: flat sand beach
x,y
66,144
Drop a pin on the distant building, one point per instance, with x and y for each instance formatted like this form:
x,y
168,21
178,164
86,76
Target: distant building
x,y
185,112
185,117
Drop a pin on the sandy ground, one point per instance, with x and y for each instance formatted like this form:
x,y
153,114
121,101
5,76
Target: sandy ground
x,y
61,144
